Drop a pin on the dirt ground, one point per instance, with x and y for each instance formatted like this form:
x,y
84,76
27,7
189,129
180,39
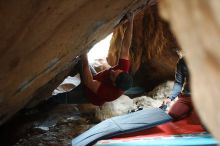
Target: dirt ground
x,y
51,126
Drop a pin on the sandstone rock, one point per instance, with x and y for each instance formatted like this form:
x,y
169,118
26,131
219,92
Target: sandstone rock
x,y
117,107
153,49
40,39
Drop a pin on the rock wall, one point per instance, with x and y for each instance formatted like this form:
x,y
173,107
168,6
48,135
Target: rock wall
x,y
196,25
39,39
153,49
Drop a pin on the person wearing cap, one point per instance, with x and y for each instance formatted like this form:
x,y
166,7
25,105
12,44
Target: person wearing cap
x,y
105,86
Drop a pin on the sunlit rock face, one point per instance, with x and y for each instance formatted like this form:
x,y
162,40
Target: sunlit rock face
x,y
153,50
196,25
39,40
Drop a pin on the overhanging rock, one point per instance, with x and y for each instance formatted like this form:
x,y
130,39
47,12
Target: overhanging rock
x,y
40,37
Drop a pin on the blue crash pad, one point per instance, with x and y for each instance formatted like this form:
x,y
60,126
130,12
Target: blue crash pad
x,y
131,122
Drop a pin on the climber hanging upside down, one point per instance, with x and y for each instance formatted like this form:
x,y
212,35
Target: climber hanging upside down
x,y
107,85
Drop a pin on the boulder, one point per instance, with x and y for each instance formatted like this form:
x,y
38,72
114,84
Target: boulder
x,y
40,39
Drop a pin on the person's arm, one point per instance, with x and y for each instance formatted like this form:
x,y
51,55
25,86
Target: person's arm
x,y
126,42
88,81
179,81
178,84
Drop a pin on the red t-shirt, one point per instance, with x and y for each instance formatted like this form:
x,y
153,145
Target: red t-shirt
x,y
107,91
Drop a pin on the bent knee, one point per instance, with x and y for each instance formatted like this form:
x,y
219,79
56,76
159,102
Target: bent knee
x,y
177,116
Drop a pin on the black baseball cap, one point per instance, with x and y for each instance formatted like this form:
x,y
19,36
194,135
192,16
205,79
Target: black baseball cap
x,y
124,81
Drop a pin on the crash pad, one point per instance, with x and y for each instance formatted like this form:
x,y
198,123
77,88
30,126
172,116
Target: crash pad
x,y
199,139
188,131
131,122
